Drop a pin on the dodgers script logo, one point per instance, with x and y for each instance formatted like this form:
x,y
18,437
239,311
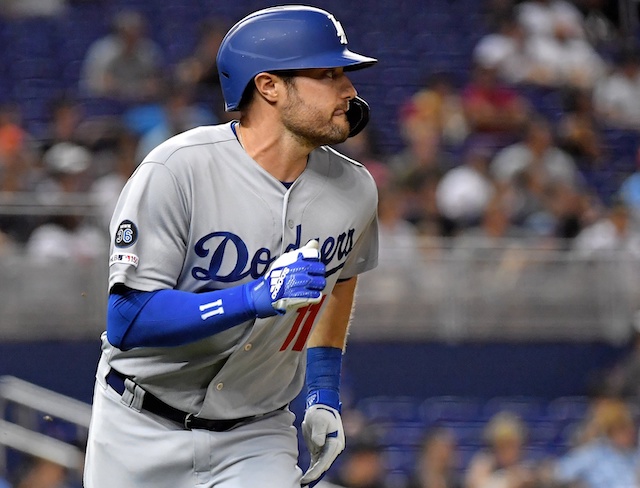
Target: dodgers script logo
x,y
217,245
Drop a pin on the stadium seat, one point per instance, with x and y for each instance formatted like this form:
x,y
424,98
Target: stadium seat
x,y
466,433
400,459
567,408
390,408
450,408
402,434
527,408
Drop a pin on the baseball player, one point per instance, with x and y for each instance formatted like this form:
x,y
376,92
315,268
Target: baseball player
x,y
234,257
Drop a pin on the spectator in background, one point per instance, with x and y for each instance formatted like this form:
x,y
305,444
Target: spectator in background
x,y
536,172
18,172
508,50
18,9
439,105
629,191
578,129
609,460
41,473
541,18
199,70
464,192
503,464
17,155
423,151
106,189
66,235
179,113
568,56
612,233
617,97
493,109
417,169
622,379
125,65
494,230
437,460
65,116
542,184
362,465
600,28
67,122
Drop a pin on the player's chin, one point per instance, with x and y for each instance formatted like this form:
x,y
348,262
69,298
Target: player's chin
x,y
340,128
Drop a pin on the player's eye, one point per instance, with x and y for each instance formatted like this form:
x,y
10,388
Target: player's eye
x,y
331,73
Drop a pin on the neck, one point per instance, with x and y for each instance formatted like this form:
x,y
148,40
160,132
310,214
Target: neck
x,y
273,148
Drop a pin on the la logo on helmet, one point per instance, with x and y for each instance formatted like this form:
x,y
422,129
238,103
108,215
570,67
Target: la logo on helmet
x,y
339,29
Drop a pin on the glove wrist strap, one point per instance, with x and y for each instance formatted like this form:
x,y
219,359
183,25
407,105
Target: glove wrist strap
x,y
323,396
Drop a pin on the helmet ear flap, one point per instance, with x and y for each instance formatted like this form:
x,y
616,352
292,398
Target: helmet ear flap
x,y
357,115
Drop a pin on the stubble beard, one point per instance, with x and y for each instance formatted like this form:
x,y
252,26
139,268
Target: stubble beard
x,y
309,125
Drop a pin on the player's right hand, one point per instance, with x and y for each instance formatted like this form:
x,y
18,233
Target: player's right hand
x,y
294,280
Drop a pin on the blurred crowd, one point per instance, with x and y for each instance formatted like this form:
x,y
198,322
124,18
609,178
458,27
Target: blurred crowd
x,y
506,442
480,164
600,452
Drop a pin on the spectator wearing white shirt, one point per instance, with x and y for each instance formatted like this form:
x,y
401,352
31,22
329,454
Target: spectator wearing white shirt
x,y
465,191
541,17
538,154
69,236
508,50
571,60
617,97
612,233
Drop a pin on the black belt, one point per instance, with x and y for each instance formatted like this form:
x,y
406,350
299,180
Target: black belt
x,y
153,404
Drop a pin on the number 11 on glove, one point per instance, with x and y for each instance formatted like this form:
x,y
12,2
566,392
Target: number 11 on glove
x,y
324,436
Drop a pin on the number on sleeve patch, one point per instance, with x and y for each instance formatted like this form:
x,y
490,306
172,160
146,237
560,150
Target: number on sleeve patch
x,y
127,234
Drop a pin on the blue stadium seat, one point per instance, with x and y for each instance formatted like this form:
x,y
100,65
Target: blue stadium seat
x,y
527,408
542,433
450,408
467,432
400,459
390,408
398,434
568,408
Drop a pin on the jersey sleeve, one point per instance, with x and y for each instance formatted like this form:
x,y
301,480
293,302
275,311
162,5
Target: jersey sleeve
x,y
149,230
364,255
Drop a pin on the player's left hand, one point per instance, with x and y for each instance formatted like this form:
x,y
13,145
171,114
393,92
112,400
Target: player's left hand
x,y
323,433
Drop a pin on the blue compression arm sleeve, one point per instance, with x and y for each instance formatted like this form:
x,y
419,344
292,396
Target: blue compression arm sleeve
x,y
168,318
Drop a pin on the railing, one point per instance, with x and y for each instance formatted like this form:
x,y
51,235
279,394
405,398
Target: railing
x,y
445,293
23,407
46,204
500,293
438,289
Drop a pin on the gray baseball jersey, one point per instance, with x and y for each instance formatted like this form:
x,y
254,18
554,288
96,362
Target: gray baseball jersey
x,y
198,215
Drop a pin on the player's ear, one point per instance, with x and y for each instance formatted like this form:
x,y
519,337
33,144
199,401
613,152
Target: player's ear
x,y
267,86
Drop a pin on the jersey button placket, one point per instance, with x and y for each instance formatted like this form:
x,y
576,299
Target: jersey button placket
x,y
219,386
247,347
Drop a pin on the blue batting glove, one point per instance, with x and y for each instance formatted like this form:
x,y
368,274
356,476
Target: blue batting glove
x,y
294,280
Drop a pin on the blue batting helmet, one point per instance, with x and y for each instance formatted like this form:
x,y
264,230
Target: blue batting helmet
x,y
282,38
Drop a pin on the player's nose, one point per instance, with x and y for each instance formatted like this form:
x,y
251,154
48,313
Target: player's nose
x,y
347,89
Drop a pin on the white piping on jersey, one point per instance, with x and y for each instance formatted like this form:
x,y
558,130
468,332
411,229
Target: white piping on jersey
x,y
285,206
